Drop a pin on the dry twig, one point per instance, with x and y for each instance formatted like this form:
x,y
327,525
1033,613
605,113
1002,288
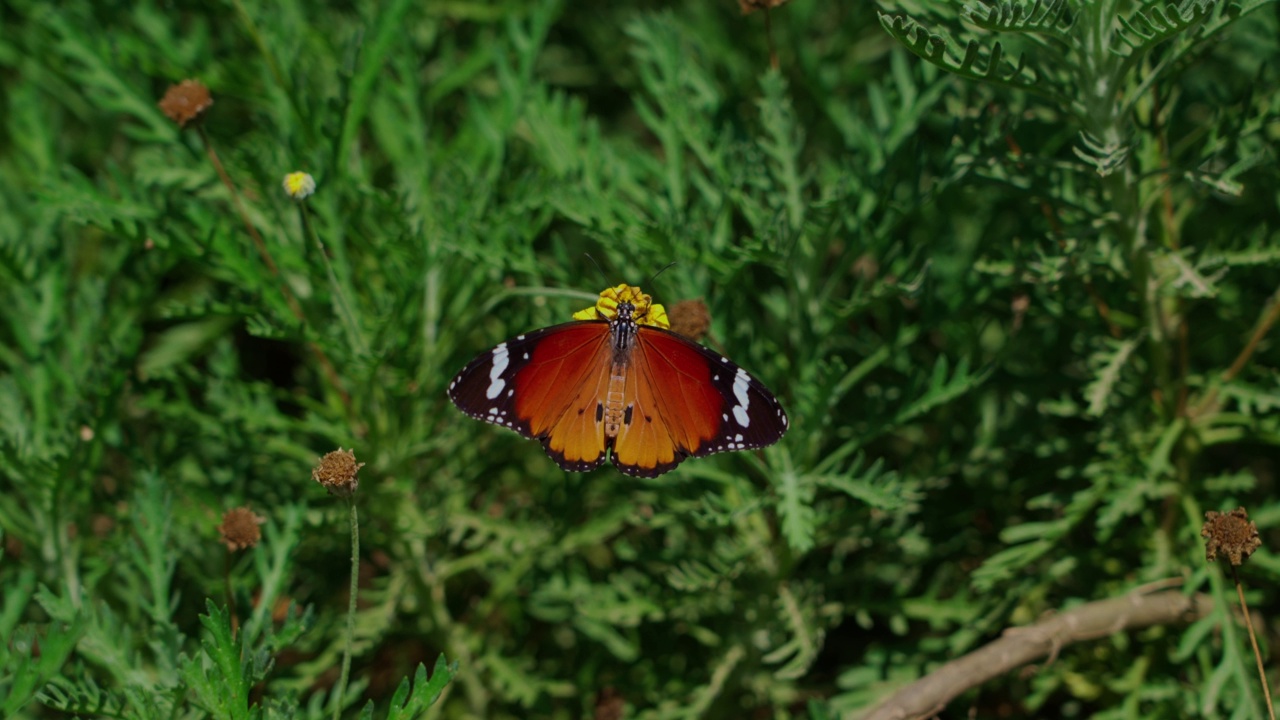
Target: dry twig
x,y
931,693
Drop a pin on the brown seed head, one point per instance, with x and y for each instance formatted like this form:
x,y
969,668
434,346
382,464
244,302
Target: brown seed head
x,y
750,6
610,705
185,101
239,529
690,318
1231,534
337,472
866,267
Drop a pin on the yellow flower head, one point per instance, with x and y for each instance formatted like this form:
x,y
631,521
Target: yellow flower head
x,y
647,312
299,185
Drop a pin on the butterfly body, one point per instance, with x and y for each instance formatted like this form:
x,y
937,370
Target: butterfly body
x,y
618,381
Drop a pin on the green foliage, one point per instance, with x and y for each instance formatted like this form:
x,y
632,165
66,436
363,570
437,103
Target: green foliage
x,y
219,677
411,700
1015,298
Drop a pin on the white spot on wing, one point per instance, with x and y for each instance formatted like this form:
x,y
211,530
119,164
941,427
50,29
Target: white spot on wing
x,y
741,382
500,361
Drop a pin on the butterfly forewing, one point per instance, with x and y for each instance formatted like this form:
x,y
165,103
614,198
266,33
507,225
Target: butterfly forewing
x,y
544,385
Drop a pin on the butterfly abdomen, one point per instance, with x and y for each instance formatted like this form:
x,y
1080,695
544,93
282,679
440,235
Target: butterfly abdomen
x,y
613,408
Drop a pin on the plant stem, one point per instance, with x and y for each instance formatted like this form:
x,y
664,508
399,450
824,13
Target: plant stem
x,y
348,317
331,374
1253,639
351,608
768,34
231,598
1268,319
1260,331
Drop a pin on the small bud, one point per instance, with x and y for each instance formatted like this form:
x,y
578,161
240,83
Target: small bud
x,y
239,529
1231,534
337,472
299,185
185,101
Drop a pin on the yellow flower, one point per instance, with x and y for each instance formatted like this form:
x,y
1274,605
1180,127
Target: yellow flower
x,y
645,312
299,185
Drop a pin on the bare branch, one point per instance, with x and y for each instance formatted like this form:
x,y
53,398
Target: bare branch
x,y
931,693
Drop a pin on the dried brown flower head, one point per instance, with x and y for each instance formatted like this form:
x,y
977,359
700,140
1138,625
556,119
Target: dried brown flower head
x,y
186,101
1231,534
750,6
610,705
866,268
337,472
690,318
239,529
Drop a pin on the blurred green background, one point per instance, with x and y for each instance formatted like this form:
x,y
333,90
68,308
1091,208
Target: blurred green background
x,y
1016,298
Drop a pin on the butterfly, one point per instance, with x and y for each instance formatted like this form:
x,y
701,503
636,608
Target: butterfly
x,y
617,379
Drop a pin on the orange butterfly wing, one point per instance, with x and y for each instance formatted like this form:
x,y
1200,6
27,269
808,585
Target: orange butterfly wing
x,y
687,400
545,385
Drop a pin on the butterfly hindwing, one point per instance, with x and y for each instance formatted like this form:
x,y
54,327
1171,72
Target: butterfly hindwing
x,y
689,400
545,385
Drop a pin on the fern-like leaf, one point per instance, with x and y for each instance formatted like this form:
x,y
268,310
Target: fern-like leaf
x,y
406,705
33,661
805,640
989,66
83,696
1109,363
1144,29
217,674
1049,18
795,506
1106,157
943,387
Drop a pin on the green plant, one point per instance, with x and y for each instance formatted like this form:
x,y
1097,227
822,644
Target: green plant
x,y
1022,331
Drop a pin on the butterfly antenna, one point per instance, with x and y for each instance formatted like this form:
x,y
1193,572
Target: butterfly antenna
x,y
665,268
603,276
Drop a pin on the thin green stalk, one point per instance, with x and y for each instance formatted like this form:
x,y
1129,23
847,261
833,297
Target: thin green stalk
x,y
1110,124
295,307
231,598
351,608
265,49
344,308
